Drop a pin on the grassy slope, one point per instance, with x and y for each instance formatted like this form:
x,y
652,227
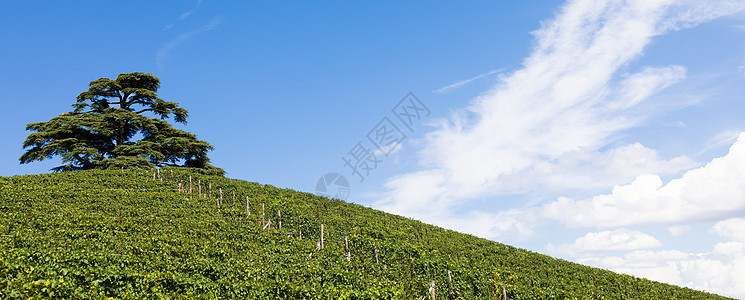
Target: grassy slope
x,y
98,234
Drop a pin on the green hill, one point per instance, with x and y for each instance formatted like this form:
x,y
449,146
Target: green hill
x,y
121,234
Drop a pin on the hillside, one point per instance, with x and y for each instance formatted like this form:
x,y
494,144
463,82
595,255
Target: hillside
x,y
122,234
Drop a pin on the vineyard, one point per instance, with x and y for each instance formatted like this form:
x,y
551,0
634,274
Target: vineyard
x,y
177,233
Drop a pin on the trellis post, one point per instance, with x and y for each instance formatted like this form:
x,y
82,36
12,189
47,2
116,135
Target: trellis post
x,y
248,211
346,248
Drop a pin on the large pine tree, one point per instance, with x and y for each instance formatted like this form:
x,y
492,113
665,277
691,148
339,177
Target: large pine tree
x,y
100,132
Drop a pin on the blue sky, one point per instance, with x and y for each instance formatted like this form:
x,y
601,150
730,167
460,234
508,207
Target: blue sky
x,y
602,132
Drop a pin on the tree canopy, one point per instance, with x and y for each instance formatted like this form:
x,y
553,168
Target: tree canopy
x,y
108,128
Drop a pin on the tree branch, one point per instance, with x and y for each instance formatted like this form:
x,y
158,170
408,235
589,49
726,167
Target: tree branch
x,y
144,110
83,162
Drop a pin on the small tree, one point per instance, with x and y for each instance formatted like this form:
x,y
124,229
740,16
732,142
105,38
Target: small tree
x,y
99,132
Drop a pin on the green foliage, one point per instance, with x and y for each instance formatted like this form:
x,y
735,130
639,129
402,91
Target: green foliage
x,y
98,133
133,234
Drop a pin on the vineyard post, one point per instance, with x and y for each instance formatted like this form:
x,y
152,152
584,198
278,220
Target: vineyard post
x,y
450,286
171,174
248,211
160,177
504,293
432,289
209,196
220,203
268,224
262,214
189,184
376,254
346,248
321,236
300,229
200,188
154,175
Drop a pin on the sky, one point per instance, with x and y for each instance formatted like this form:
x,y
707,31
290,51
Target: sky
x,y
605,132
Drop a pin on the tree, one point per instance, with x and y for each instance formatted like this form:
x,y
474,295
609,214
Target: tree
x,y
99,133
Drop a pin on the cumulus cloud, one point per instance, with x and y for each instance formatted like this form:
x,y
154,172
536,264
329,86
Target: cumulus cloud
x,y
720,270
512,224
679,230
733,229
616,240
711,192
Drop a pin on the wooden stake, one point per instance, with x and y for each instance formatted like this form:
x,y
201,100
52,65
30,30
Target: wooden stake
x,y
220,203
268,224
504,293
248,211
450,287
300,229
200,188
321,236
279,216
209,196
154,175
432,289
376,254
189,184
346,248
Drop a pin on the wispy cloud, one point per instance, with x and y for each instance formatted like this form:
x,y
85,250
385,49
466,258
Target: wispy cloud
x,y
184,15
188,13
467,81
163,52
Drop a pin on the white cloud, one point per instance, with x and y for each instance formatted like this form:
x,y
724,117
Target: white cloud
x,y
711,192
182,38
722,139
733,229
679,229
556,115
191,11
594,170
655,265
467,81
184,15
720,270
637,87
511,224
619,239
